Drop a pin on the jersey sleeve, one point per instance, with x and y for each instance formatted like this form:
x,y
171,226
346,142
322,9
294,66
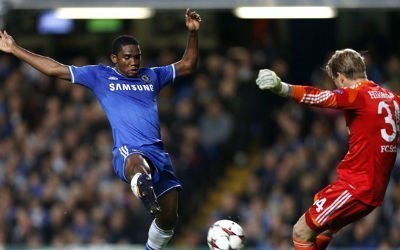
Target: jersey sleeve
x,y
341,98
165,75
85,75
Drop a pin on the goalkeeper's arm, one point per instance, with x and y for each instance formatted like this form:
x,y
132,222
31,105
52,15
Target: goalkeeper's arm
x,y
267,79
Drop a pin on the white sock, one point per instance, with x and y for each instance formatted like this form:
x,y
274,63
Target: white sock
x,y
134,184
158,238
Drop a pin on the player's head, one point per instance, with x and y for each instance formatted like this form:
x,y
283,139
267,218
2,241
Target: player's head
x,y
126,55
346,65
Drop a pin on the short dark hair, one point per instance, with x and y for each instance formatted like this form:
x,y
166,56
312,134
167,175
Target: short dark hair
x,y
348,62
122,41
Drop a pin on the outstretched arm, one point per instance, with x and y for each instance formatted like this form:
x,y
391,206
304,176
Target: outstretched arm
x,y
268,80
44,64
343,98
188,62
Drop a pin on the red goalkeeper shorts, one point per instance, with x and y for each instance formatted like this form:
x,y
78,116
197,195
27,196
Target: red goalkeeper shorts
x,y
334,207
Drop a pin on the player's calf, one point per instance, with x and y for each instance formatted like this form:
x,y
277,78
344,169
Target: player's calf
x,y
303,236
162,228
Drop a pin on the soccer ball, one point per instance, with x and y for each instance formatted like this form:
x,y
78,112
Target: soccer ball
x,y
225,235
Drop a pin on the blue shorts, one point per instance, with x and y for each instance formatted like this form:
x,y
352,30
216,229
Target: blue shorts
x,y
163,176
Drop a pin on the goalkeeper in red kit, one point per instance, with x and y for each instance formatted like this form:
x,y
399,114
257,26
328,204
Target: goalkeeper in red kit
x,y
372,116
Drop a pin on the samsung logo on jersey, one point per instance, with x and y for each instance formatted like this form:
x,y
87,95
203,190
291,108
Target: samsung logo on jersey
x,y
130,87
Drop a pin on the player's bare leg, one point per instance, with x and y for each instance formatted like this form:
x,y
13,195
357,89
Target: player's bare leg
x,y
162,228
303,236
137,170
168,217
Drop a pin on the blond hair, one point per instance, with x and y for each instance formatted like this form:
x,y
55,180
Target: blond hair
x,y
348,62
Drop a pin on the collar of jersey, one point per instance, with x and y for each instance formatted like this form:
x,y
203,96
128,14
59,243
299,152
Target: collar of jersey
x,y
116,71
361,83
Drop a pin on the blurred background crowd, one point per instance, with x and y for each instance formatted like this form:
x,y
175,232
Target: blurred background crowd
x,y
57,185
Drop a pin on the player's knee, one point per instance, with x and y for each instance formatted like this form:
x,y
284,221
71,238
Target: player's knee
x,y
300,232
136,164
296,234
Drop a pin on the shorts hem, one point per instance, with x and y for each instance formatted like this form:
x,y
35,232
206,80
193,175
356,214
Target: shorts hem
x,y
310,223
169,189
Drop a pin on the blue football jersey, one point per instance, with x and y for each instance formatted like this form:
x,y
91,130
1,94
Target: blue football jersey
x,y
130,103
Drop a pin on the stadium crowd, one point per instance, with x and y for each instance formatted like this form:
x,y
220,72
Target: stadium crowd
x,y
57,184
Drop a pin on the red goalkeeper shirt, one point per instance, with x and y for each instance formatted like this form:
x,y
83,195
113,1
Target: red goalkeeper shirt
x,y
372,115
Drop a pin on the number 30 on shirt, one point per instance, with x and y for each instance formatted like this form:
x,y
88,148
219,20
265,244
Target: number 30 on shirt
x,y
391,119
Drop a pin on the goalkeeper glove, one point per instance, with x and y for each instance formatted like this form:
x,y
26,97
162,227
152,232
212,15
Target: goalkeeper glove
x,y
267,79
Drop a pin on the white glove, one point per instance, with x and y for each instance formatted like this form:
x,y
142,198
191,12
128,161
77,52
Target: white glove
x,y
267,79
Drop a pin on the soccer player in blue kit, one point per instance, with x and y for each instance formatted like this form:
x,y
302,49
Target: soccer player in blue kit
x,y
128,96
